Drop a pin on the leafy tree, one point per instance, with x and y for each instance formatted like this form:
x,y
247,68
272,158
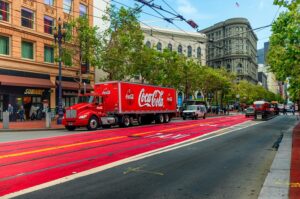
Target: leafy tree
x,y
121,43
284,52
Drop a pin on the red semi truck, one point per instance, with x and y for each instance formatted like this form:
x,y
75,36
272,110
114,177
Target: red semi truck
x,y
121,103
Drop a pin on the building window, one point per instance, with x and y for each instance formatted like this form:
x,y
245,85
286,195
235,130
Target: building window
x,y
67,6
49,2
27,18
189,54
4,45
4,11
27,50
148,44
180,49
82,10
48,24
170,47
228,68
198,52
159,47
48,54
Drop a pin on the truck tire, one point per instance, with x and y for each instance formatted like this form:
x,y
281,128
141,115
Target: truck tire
x,y
159,119
167,118
184,118
93,123
125,121
70,128
204,116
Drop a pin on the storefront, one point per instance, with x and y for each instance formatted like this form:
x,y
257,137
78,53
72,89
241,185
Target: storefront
x,y
70,92
23,91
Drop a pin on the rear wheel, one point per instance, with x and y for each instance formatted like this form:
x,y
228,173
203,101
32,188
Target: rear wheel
x,y
70,128
125,121
93,123
159,118
167,118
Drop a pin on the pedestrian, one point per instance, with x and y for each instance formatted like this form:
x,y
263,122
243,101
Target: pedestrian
x,y
21,113
10,110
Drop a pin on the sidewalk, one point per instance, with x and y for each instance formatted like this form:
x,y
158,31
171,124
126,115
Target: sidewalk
x,y
283,180
32,125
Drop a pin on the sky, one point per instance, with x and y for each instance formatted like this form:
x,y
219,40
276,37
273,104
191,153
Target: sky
x,y
208,12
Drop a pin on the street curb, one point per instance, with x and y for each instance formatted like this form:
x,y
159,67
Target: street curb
x,y
277,182
22,130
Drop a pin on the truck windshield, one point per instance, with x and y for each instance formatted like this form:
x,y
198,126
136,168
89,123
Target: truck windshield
x,y
86,99
191,107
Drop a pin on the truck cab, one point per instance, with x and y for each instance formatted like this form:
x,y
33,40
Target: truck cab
x,y
86,113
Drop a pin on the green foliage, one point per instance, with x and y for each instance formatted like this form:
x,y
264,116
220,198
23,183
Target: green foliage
x,y
284,52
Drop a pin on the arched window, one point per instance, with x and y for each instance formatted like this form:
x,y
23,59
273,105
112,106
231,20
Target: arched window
x,y
199,96
180,49
198,52
159,47
148,44
189,54
239,68
170,47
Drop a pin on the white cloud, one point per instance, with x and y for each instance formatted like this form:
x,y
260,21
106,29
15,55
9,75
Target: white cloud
x,y
188,10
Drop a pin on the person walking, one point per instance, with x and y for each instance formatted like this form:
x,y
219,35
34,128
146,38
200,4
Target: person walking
x,y
21,113
10,110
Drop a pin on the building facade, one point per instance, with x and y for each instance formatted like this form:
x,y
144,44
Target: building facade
x,y
28,71
263,79
191,44
233,45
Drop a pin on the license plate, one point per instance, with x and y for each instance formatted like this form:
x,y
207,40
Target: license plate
x,y
259,117
70,123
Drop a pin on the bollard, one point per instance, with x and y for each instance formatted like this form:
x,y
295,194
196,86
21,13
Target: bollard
x,y
5,120
48,119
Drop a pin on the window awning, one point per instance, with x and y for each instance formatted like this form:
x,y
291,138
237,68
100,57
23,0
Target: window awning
x,y
9,80
73,86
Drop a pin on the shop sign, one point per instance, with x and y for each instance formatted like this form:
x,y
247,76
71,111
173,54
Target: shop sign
x,y
34,92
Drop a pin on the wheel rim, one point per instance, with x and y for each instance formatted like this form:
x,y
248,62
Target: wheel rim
x,y
167,118
126,121
93,124
161,118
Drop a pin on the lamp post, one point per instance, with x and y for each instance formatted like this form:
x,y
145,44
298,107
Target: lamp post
x,y
59,35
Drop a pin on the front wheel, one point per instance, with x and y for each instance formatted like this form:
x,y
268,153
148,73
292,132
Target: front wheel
x,y
126,122
93,123
70,128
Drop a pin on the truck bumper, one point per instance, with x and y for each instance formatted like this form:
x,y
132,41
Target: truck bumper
x,y
77,123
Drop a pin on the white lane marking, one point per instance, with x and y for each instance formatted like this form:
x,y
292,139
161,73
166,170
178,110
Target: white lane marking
x,y
129,159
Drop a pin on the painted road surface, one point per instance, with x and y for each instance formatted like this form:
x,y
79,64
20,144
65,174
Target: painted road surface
x,y
24,164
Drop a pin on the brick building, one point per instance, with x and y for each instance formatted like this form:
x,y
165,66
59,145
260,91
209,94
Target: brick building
x,y
28,71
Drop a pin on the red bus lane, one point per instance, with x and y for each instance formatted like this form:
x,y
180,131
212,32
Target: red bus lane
x,y
29,163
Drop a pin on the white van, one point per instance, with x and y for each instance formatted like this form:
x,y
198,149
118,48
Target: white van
x,y
194,112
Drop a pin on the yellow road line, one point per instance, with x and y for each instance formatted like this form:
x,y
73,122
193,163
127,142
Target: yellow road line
x,y
60,147
97,141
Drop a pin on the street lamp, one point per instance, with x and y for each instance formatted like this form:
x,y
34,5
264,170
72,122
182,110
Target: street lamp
x,y
59,35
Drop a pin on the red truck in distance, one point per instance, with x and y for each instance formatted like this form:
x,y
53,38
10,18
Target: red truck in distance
x,y
263,110
121,103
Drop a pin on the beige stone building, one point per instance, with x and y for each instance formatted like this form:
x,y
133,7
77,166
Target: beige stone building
x,y
28,71
233,45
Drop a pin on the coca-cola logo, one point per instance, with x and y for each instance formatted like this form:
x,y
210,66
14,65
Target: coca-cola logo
x,y
129,97
154,99
169,99
106,92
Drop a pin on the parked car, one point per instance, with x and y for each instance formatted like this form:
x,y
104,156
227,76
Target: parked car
x,y
250,111
194,112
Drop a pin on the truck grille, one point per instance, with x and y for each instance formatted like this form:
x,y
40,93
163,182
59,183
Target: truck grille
x,y
71,114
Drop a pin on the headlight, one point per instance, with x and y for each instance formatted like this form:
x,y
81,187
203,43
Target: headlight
x,y
83,116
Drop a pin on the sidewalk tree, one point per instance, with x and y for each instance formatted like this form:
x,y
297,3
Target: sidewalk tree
x,y
284,52
121,43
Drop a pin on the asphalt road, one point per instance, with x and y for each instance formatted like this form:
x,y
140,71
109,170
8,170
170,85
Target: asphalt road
x,y
229,166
